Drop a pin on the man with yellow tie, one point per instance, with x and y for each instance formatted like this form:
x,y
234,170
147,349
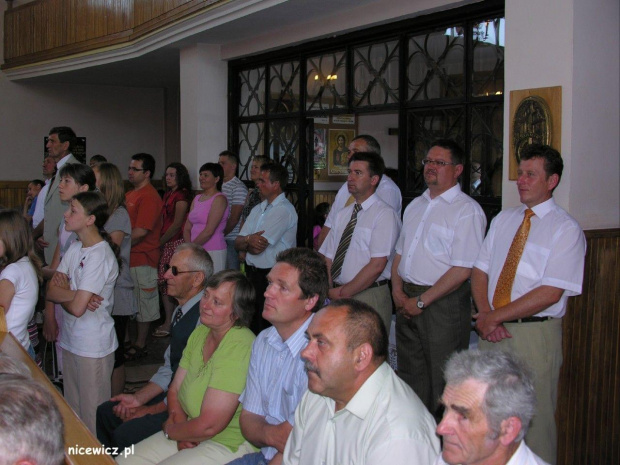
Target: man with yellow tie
x,y
531,261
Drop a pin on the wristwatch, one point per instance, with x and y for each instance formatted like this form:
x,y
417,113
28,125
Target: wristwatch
x,y
420,304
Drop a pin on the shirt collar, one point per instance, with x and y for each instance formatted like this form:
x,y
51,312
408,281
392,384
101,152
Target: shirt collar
x,y
295,343
264,204
191,302
62,161
542,209
448,196
366,204
362,401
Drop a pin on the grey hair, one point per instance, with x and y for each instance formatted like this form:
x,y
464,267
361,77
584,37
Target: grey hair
x,y
243,298
510,391
199,260
372,145
9,365
31,427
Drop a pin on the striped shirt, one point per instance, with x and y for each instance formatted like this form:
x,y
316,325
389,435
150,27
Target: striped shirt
x,y
236,192
277,379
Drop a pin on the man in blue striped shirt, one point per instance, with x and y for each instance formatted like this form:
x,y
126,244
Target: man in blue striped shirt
x,y
297,288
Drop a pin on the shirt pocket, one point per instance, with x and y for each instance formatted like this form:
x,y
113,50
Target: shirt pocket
x,y
361,238
533,262
439,240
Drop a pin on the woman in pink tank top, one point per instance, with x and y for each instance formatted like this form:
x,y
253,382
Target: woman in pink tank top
x,y
208,215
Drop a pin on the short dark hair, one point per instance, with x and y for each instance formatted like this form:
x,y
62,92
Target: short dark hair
x,y
277,172
98,159
376,165
243,298
371,142
551,157
313,278
457,154
65,134
216,170
82,174
364,325
148,162
37,182
232,156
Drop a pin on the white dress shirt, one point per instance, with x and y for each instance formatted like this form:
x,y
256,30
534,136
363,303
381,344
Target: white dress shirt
x,y
384,423
387,191
522,456
438,234
554,253
279,221
374,236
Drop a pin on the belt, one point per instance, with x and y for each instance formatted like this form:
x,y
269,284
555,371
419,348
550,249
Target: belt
x,y
415,287
383,282
254,269
531,319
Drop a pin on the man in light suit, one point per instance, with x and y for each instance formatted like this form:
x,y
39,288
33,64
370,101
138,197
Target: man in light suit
x,y
59,145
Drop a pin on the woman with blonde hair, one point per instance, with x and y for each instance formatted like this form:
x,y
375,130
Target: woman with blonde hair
x,y
118,226
20,275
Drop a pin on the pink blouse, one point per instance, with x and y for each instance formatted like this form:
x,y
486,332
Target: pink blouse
x,y
198,217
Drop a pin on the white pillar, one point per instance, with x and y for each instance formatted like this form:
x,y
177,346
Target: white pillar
x,y
204,116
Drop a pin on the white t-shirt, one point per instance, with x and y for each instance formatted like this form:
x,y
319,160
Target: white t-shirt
x,y
93,269
37,216
24,279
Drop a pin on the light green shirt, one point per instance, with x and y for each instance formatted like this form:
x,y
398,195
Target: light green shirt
x,y
226,370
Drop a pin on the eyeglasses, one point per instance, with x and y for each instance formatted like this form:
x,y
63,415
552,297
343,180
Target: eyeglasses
x,y
175,271
131,168
439,163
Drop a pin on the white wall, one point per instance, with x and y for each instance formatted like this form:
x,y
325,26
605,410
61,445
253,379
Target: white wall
x,y
595,176
573,44
116,121
377,126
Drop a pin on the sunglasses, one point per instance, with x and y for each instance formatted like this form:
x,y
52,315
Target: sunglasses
x,y
175,271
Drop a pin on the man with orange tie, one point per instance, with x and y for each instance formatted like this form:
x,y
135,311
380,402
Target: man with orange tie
x,y
531,261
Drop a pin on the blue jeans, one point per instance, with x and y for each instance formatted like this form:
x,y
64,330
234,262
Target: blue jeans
x,y
256,458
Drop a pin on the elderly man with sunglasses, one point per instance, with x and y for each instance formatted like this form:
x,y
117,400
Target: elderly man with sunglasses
x,y
439,242
129,418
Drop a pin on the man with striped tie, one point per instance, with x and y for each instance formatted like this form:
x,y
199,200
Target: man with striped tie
x,y
277,379
360,245
531,261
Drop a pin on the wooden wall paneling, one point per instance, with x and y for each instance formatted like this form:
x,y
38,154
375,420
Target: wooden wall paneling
x,y
13,193
589,388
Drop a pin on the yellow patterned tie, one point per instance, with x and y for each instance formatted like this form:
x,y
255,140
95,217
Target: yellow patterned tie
x,y
503,290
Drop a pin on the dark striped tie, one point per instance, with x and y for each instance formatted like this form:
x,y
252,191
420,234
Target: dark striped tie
x,y
177,316
343,245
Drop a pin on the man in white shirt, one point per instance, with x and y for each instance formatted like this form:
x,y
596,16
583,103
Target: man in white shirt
x,y
49,168
59,145
236,192
270,228
489,402
387,190
531,261
276,378
439,242
360,263
357,410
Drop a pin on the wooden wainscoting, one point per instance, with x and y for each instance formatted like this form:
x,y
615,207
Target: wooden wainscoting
x,y
324,196
588,411
13,193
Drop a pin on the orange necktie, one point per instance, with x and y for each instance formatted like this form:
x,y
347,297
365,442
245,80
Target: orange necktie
x,y
503,290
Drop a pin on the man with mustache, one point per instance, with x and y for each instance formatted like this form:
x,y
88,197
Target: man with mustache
x,y
441,236
359,248
357,411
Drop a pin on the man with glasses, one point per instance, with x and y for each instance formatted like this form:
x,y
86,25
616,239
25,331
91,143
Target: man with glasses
x,y
440,239
387,190
129,418
144,207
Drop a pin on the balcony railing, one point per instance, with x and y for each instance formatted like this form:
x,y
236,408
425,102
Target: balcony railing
x,y
51,29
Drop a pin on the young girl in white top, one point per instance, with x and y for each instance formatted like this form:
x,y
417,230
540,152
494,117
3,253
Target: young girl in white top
x,y
20,274
74,178
84,285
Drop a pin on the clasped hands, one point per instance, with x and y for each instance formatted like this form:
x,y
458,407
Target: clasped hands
x,y
489,329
